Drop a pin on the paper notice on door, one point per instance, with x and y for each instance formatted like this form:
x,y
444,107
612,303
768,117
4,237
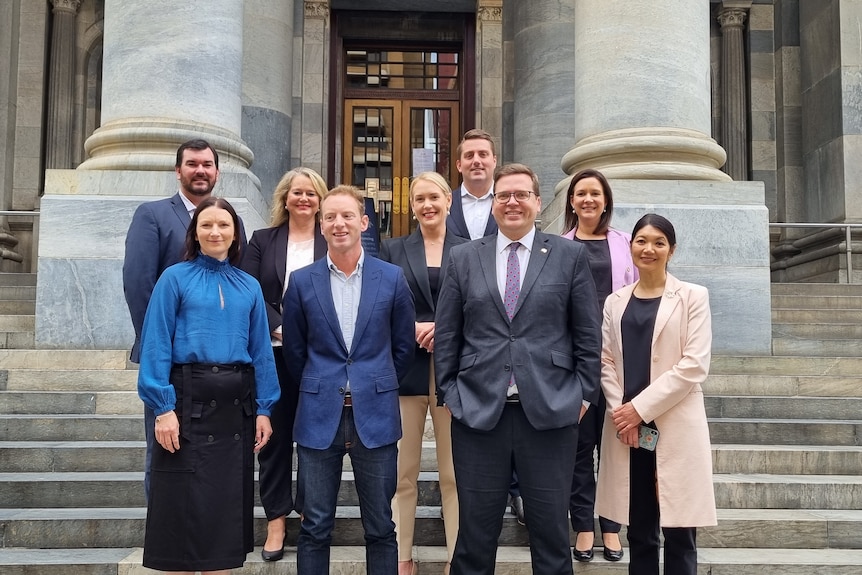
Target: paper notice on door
x,y
423,160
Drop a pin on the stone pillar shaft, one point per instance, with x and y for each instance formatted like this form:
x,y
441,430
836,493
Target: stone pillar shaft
x,y
61,85
734,132
642,88
172,71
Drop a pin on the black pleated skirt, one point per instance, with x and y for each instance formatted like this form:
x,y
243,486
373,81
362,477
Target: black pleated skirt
x,y
200,509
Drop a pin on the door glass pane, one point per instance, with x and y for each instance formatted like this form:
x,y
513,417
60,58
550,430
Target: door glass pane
x,y
372,145
430,142
402,69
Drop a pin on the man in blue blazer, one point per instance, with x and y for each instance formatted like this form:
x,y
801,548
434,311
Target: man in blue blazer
x,y
156,240
470,214
348,330
517,360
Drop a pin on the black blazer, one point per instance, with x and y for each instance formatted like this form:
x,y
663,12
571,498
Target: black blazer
x,y
265,259
408,252
456,224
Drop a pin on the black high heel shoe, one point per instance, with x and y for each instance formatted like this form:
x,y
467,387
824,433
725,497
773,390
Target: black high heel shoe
x,y
277,555
612,554
582,556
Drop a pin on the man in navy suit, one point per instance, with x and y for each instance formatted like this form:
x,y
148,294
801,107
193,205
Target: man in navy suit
x,y
156,240
348,328
470,214
517,361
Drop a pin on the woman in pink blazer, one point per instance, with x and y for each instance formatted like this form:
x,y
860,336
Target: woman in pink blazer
x,y
656,346
588,222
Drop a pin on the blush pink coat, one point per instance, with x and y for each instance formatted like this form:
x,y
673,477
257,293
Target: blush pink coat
x,y
681,351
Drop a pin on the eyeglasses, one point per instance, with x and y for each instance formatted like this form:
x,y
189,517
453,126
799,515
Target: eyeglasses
x,y
520,195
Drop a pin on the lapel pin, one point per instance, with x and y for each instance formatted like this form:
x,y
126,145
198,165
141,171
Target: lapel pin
x,y
544,250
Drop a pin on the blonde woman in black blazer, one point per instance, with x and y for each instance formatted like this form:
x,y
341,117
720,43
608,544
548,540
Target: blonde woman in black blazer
x,y
293,241
423,256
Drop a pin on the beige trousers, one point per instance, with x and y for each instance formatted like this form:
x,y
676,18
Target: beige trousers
x,y
413,413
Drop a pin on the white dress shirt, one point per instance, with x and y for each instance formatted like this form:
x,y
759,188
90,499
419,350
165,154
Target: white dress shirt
x,y
476,211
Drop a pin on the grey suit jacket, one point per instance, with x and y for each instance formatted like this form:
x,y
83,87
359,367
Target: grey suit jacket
x,y
552,344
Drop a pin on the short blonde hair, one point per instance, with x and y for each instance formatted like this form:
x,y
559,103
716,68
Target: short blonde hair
x,y
279,213
434,178
352,191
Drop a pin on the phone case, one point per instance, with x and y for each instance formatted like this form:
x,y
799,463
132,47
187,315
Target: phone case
x,y
647,437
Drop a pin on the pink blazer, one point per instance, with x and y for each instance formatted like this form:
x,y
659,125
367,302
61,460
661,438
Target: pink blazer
x,y
623,271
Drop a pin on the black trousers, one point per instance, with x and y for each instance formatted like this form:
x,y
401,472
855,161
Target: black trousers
x,y
275,461
583,500
680,543
483,473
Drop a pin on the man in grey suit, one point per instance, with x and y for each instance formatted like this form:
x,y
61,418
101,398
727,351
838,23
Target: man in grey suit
x,y
517,360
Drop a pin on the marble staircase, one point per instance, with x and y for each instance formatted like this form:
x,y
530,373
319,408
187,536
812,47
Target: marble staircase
x,y
787,452
17,310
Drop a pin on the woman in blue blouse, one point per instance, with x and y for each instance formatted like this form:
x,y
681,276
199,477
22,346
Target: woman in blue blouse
x,y
206,370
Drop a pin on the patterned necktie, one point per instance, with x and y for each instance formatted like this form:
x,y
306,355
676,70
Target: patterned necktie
x,y
513,279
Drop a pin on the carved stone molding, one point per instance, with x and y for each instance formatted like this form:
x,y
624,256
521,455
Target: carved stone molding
x,y
490,13
317,10
66,5
731,17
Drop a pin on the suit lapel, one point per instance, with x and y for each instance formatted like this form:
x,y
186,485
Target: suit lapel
x,y
414,247
371,275
669,300
323,290
280,252
488,261
456,216
538,257
180,210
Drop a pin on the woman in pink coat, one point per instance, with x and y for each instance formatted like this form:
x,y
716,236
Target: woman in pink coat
x,y
608,251
656,343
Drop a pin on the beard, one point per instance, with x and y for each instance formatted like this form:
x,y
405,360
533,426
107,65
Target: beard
x,y
195,187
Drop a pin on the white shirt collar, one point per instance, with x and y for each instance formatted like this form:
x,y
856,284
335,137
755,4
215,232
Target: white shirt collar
x,y
526,241
466,194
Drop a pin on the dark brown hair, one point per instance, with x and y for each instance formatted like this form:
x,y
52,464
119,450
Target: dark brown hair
x,y
193,246
476,134
197,145
605,218
513,169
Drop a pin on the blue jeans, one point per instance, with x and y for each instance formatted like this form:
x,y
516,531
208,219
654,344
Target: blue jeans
x,y
318,479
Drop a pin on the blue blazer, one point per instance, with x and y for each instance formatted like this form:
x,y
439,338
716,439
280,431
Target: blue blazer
x,y
455,221
379,357
155,240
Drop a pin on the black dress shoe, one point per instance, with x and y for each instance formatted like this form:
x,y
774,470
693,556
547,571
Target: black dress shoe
x,y
272,555
612,554
582,556
518,508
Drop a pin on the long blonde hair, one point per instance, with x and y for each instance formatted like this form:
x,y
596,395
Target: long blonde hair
x,y
279,213
434,178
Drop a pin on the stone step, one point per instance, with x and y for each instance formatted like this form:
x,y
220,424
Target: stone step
x,y
18,292
784,431
817,330
17,323
72,427
17,307
786,365
816,347
765,491
71,402
128,456
71,380
784,385
17,339
17,279
816,289
806,315
124,527
824,408
819,301
733,490
349,560
63,359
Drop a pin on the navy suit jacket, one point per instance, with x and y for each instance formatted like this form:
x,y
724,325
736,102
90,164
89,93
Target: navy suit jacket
x,y
155,240
456,223
408,252
552,344
316,356
266,258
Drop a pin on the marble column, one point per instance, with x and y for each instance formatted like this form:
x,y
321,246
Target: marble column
x,y
489,68
171,71
544,74
734,108
642,85
315,88
9,257
61,85
643,90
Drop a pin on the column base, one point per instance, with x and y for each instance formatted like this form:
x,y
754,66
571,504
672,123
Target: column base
x,y
722,231
649,154
148,144
79,292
